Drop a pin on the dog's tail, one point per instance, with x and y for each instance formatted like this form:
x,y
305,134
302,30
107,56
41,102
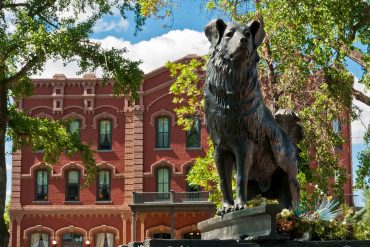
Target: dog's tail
x,y
290,122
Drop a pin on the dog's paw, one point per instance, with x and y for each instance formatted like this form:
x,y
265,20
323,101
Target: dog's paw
x,y
226,208
238,207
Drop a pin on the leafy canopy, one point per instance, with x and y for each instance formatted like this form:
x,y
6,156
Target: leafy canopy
x,y
32,32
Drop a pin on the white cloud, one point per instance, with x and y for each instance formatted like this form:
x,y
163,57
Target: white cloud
x,y
157,51
358,126
154,52
106,26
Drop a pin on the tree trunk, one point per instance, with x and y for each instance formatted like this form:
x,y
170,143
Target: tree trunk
x,y
4,235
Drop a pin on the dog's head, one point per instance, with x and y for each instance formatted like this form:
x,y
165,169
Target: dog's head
x,y
234,41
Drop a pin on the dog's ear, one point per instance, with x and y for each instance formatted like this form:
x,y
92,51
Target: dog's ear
x,y
257,32
214,31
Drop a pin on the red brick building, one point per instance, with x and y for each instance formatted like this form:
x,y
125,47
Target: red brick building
x,y
140,191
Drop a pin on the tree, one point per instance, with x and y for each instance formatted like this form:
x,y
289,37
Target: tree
x,y
302,67
34,31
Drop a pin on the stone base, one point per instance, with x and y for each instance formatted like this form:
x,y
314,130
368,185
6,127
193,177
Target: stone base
x,y
243,243
251,223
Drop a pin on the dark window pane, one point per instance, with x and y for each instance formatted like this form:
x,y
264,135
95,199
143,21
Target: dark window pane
x,y
193,135
163,132
72,240
105,135
42,185
163,182
162,235
103,186
73,186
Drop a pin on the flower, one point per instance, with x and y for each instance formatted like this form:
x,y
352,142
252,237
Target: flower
x,y
286,213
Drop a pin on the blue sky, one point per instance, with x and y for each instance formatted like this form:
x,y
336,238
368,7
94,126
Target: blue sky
x,y
155,45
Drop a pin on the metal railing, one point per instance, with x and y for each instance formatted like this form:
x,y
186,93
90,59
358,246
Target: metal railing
x,y
170,197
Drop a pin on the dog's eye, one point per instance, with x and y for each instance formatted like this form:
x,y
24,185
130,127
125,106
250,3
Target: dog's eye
x,y
229,34
247,35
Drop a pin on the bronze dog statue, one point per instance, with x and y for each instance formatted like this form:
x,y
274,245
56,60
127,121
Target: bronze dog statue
x,y
245,134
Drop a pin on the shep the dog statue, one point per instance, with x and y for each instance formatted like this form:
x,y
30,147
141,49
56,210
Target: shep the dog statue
x,y
245,134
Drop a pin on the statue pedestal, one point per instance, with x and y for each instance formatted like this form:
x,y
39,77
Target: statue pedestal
x,y
251,223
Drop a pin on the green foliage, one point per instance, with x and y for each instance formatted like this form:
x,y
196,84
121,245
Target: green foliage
x,y
33,32
342,224
204,174
187,90
50,136
303,67
6,215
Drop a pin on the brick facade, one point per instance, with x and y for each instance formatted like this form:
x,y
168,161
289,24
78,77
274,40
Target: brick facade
x,y
132,163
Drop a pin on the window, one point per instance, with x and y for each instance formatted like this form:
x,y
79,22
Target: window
x,y
193,135
41,185
103,193
105,134
337,126
73,186
163,132
104,240
72,240
74,127
162,235
192,235
39,239
163,183
191,188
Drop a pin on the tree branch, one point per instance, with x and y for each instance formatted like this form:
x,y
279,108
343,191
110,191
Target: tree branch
x,y
361,97
23,71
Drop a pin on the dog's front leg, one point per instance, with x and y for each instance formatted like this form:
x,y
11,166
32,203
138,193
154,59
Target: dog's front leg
x,y
243,155
224,164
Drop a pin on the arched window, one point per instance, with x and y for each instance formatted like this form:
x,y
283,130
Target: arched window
x,y
103,185
39,239
74,126
193,135
72,240
163,182
105,134
104,240
42,182
73,186
162,132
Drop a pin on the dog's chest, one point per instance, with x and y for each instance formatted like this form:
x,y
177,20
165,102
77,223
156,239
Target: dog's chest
x,y
228,120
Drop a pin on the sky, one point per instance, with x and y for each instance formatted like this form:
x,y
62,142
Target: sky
x,y
155,45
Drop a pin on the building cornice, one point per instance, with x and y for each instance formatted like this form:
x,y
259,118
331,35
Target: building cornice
x,y
59,211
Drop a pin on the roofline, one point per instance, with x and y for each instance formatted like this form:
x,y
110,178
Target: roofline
x,y
163,68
